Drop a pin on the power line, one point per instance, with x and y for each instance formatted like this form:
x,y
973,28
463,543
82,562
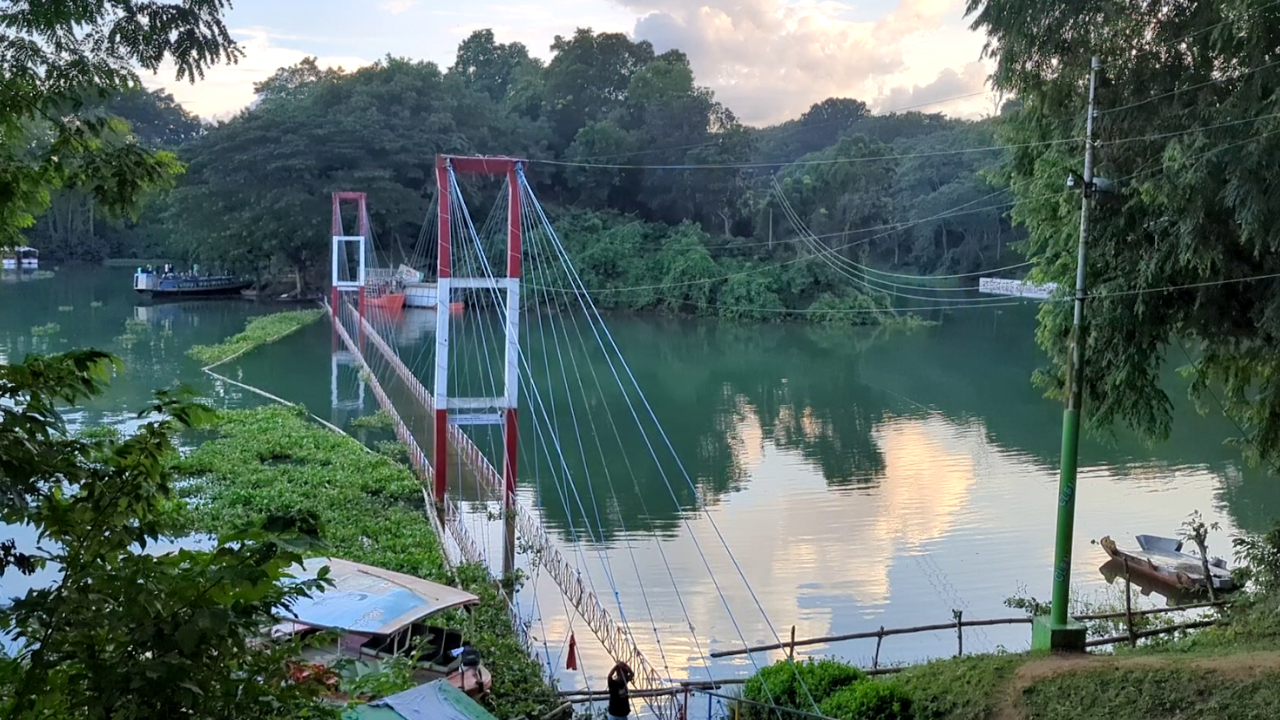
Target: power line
x,y
789,131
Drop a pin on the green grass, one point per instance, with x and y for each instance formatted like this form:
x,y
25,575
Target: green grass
x,y
258,331
964,689
1149,693
273,460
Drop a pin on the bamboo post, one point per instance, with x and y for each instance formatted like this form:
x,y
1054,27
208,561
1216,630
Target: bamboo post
x,y
791,652
959,616
1128,604
875,659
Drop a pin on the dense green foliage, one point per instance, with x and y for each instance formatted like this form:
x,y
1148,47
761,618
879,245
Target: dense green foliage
x,y
125,630
272,460
868,701
257,331
800,685
51,55
611,127
1186,126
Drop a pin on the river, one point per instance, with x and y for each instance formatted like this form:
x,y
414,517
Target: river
x,y
838,480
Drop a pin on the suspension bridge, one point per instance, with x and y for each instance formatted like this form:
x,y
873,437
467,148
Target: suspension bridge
x,y
473,406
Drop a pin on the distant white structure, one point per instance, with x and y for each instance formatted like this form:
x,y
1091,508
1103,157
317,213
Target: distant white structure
x,y
1018,288
20,258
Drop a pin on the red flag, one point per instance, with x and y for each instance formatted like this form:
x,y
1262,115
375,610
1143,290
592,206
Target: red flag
x,y
572,662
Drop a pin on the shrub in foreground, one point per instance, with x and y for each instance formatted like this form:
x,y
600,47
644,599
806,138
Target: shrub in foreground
x,y
868,700
797,685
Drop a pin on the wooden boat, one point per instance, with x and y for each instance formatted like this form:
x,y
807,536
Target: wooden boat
x,y
167,284
393,301
380,614
1161,560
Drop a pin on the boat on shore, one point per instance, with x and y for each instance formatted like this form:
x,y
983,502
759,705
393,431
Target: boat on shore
x,y
20,258
168,284
1161,560
377,615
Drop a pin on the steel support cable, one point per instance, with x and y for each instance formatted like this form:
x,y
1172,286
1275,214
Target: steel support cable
x,y
589,307
469,368
866,280
530,242
535,257
793,261
615,638
468,232
535,396
807,127
807,234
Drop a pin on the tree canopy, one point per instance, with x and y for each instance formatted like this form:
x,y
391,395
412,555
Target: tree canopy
x,y
1184,258
613,129
51,56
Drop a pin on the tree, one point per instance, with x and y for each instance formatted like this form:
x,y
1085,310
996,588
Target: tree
x,y
125,632
1187,104
72,227
587,80
487,66
49,54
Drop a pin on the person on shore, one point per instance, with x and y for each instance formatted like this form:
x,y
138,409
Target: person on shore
x,y
619,702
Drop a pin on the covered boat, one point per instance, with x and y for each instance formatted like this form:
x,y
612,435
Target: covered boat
x,y
20,258
1162,560
166,283
380,614
434,701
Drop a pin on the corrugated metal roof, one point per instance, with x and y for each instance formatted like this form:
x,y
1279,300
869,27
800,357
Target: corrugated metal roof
x,y
370,600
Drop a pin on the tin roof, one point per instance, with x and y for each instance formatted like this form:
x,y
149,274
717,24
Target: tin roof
x,y
369,600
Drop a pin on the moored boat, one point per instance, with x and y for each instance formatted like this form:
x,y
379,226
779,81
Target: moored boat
x,y
1161,560
169,284
380,614
20,258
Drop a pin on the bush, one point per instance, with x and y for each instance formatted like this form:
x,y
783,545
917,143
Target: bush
x,y
781,684
870,700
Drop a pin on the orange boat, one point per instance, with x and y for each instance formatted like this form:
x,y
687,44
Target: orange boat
x,y
389,301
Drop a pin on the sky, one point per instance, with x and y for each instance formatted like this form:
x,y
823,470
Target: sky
x,y
767,60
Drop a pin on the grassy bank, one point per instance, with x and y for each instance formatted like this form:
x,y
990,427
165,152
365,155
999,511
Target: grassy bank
x,y
1227,672
272,460
258,331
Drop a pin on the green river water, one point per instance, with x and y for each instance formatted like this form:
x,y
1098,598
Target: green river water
x,y
856,480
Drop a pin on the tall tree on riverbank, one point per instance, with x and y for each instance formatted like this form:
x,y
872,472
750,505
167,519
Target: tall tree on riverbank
x,y
1187,126
50,55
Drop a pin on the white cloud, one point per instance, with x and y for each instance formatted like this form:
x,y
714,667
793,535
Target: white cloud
x,y
395,7
948,84
769,60
226,89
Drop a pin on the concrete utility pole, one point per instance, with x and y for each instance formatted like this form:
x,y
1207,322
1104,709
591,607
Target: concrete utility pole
x,y
1059,631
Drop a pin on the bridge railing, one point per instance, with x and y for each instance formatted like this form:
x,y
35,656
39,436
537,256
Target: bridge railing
x,y
615,638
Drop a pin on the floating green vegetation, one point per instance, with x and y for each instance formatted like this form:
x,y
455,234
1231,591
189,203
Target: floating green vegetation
x,y
66,308
258,331
272,460
380,420
134,330
95,304
46,330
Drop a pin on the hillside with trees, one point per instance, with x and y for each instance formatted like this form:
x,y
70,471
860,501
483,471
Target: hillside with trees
x,y
650,180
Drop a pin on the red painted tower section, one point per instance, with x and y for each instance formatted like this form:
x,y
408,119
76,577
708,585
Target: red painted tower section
x,y
444,271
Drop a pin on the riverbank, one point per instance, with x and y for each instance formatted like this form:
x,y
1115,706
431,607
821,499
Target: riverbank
x,y
273,460
1230,671
258,331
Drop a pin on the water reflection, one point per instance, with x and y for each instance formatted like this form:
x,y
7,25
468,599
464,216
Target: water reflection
x,y
860,479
